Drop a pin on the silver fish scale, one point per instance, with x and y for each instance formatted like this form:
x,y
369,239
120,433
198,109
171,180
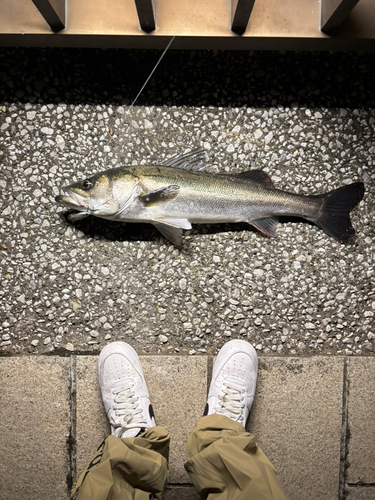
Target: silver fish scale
x,y
216,198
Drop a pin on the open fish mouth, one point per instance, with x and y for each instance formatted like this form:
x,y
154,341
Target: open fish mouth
x,y
72,200
76,202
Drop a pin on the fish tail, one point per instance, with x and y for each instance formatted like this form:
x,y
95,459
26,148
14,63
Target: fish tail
x,y
334,217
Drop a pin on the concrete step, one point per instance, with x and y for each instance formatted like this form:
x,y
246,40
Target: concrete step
x,y
313,417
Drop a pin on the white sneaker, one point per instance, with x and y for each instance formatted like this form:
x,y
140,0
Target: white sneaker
x,y
233,383
124,390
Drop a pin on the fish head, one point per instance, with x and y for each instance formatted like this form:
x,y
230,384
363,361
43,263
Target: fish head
x,y
103,195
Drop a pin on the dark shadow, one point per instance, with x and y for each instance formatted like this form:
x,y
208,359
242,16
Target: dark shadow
x,y
94,227
189,78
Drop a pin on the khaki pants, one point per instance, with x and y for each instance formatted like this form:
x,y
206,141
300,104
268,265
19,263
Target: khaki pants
x,y
225,463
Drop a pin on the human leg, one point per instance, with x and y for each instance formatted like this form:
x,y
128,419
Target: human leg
x,y
224,460
132,462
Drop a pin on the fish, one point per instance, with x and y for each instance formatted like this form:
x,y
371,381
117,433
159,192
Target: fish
x,y
180,191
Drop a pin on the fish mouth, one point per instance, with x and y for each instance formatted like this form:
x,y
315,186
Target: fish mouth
x,y
72,200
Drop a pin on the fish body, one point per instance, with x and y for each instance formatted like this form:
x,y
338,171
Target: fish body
x,y
174,195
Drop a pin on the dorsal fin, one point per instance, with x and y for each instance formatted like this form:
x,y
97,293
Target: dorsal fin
x,y
193,160
259,176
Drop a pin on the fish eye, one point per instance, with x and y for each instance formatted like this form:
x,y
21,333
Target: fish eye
x,y
86,184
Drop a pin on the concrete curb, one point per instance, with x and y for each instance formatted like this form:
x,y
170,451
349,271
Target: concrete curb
x,y
311,416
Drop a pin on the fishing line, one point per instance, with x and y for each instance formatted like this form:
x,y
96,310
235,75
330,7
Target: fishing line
x,y
127,124
152,72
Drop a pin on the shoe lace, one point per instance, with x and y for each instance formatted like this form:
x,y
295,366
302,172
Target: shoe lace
x,y
232,401
127,412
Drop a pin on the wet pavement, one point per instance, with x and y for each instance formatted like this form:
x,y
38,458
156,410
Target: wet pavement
x,y
307,119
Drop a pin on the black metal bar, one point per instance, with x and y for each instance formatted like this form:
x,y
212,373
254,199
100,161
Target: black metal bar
x,y
53,12
241,10
146,16
334,12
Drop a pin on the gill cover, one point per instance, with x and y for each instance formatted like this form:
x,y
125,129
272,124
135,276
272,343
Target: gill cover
x,y
106,194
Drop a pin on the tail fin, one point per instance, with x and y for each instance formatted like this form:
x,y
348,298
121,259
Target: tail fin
x,y
334,218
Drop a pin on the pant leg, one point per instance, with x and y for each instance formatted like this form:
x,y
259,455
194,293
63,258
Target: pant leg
x,y
226,463
126,469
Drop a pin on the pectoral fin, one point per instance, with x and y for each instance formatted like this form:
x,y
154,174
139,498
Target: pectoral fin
x,y
266,226
173,234
173,222
159,196
172,228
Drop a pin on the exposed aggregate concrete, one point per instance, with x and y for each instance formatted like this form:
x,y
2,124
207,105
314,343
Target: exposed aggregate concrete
x,y
307,119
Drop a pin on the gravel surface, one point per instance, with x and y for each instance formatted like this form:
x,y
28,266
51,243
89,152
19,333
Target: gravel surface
x,y
308,119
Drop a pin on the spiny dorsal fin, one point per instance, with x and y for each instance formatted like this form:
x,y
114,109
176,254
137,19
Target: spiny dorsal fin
x,y
162,195
193,160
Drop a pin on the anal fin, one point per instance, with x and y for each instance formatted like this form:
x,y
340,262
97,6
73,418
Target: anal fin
x,y
266,226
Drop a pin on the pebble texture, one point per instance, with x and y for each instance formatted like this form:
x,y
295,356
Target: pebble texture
x,y
307,119
35,426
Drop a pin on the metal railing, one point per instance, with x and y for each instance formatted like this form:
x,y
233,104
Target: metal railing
x,y
236,24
